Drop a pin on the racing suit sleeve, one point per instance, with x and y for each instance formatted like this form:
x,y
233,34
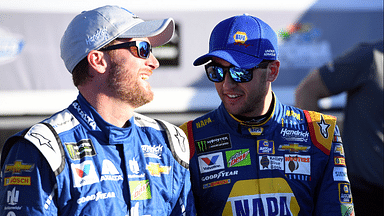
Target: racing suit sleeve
x,y
334,192
28,183
186,203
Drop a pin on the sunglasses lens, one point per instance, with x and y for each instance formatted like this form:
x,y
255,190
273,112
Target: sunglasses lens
x,y
215,73
144,49
240,75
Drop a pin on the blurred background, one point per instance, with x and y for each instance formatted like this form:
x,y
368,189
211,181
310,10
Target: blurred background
x,y
34,82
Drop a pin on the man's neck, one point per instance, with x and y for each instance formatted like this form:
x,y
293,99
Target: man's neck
x,y
112,110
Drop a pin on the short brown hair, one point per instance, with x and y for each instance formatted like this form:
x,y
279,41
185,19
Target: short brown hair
x,y
80,74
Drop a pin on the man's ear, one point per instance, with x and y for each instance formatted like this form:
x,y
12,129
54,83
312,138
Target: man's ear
x,y
273,70
97,61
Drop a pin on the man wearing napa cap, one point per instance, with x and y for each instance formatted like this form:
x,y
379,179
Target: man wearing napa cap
x,y
254,155
99,157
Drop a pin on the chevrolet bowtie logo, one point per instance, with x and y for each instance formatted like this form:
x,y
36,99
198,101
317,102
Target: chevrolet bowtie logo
x,y
18,167
294,148
156,170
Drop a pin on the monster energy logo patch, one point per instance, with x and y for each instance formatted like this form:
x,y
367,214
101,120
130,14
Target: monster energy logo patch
x,y
84,148
213,144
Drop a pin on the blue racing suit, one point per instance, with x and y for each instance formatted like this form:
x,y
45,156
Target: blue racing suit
x,y
75,163
292,163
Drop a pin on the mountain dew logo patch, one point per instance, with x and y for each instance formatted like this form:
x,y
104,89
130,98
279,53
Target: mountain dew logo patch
x,y
271,196
140,190
238,158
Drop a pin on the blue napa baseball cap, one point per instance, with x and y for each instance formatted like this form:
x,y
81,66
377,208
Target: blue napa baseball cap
x,y
93,29
244,41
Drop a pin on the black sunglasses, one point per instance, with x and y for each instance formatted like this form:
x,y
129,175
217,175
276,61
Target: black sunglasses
x,y
216,73
143,48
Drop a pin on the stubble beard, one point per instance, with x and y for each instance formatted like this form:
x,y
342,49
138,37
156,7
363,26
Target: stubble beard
x,y
127,88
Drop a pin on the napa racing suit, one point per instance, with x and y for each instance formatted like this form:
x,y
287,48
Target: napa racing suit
x,y
75,163
292,163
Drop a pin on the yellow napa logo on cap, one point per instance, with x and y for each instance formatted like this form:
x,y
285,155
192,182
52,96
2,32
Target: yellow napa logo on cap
x,y
240,37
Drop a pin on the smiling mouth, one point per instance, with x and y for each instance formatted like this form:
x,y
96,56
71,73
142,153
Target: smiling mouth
x,y
233,96
144,77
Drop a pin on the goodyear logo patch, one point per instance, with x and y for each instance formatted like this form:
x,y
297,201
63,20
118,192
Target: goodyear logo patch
x,y
265,147
240,37
84,148
213,144
238,158
140,190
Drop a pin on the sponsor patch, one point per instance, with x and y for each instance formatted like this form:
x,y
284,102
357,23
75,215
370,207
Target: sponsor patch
x,y
216,183
347,210
19,167
339,149
109,172
293,114
256,131
96,197
294,135
219,175
268,162
211,162
240,37
340,174
153,151
140,190
17,180
265,147
294,148
269,196
203,123
13,197
84,173
81,149
156,170
298,164
340,161
345,195
238,158
213,144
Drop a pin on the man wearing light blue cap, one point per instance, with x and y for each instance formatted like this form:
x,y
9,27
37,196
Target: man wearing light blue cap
x,y
99,157
254,155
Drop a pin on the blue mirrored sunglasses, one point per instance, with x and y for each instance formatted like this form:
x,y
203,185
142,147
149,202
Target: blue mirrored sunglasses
x,y
144,49
216,73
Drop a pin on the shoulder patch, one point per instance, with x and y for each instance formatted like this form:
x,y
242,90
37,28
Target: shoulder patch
x,y
45,138
178,142
321,129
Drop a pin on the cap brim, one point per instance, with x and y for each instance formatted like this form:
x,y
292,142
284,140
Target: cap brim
x,y
158,32
235,58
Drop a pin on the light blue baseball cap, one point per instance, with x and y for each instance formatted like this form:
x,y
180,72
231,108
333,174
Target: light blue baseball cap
x,y
244,41
91,30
